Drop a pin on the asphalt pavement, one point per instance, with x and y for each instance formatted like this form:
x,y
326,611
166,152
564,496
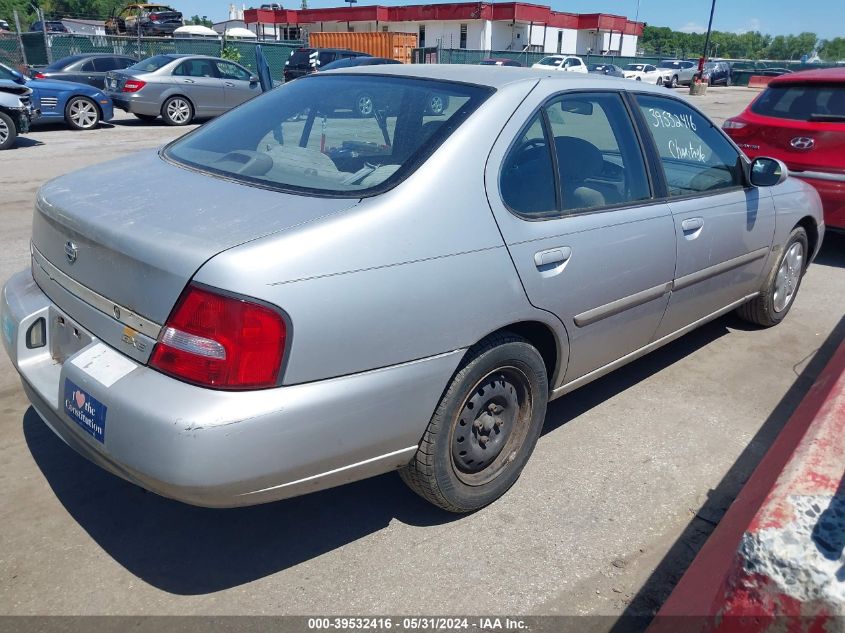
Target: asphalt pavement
x,y
629,477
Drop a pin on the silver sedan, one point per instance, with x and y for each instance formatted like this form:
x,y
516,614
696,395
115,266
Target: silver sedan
x,y
181,87
311,297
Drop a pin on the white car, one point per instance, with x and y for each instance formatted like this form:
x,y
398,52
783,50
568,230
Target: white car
x,y
677,71
644,72
566,63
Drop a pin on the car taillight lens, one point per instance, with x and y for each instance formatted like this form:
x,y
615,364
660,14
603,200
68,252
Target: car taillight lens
x,y
40,76
733,124
223,342
154,17
133,85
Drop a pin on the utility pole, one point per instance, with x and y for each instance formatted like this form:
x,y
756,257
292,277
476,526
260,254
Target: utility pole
x,y
20,38
707,39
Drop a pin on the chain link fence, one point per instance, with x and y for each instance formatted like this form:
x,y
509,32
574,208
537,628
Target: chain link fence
x,y
742,70
36,51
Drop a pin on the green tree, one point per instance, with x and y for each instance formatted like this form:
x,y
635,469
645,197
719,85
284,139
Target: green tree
x,y
201,21
832,50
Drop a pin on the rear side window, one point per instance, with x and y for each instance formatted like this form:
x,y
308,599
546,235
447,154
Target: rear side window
x,y
817,102
312,135
598,155
196,68
228,70
696,157
527,181
104,64
87,67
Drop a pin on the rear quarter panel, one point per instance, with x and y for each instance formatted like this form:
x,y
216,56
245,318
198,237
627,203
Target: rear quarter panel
x,y
417,271
794,201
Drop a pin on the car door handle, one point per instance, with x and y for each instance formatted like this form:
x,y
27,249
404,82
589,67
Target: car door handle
x,y
692,224
229,84
188,81
552,256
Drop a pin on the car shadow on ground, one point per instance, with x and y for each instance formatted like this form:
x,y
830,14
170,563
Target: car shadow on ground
x,y
25,141
832,252
186,550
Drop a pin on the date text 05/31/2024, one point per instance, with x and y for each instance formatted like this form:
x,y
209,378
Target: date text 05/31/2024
x,y
417,623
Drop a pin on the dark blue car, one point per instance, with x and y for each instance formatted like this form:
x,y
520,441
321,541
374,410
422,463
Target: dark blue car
x,y
82,107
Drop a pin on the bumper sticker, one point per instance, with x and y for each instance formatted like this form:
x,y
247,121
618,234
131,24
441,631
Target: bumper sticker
x,y
84,409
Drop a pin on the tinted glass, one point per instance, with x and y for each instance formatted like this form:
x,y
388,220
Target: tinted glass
x,y
302,57
634,67
63,64
151,64
527,182
306,135
195,68
803,103
120,63
88,66
696,157
105,64
550,61
598,154
326,57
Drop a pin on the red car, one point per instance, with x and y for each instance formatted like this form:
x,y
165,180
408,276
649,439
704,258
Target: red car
x,y
800,119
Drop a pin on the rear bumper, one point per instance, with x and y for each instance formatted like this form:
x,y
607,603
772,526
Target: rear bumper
x,y
831,188
215,448
135,103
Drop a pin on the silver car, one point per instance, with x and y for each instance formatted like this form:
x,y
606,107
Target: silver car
x,y
311,297
181,87
677,72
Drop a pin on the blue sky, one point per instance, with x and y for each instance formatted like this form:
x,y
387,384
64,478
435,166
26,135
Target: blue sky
x,y
777,17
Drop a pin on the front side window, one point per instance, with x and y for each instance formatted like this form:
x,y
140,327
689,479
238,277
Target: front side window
x,y
310,136
696,157
599,157
105,64
228,70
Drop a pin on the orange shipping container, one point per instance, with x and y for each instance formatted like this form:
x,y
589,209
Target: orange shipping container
x,y
398,46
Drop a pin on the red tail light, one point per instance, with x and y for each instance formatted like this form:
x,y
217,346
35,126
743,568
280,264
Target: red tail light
x,y
133,85
40,76
733,124
214,340
154,17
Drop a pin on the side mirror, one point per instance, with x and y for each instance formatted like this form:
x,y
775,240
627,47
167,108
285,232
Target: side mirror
x,y
767,172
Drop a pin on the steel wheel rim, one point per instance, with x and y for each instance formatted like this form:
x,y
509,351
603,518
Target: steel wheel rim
x,y
83,113
4,131
365,105
179,111
788,277
505,426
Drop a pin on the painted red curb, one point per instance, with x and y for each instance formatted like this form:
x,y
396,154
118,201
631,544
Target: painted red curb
x,y
806,459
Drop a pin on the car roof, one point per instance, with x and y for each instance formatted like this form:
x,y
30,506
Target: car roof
x,y
495,76
816,75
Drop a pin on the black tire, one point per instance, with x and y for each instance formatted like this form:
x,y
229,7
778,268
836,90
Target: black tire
x,y
183,105
8,131
674,82
146,118
502,384
82,113
639,78
364,105
768,308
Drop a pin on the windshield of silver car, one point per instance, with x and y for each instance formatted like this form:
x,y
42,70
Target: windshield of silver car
x,y
337,135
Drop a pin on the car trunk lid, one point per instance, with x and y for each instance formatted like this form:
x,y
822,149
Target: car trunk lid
x,y
132,233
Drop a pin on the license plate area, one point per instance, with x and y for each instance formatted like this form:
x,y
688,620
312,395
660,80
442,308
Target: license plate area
x,y
66,336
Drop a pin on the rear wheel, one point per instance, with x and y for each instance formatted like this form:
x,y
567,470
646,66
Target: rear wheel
x,y
484,428
674,82
8,131
177,111
81,113
777,296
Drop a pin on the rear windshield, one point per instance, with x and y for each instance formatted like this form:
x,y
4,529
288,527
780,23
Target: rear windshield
x,y
335,135
151,64
815,102
303,57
